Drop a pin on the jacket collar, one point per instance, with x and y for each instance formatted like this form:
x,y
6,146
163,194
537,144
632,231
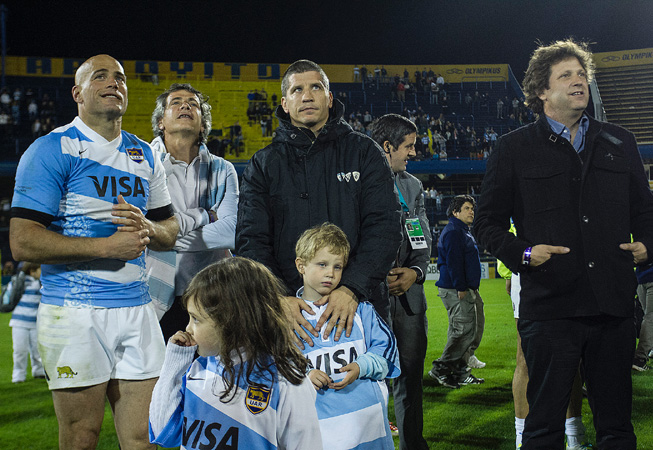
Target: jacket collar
x,y
158,145
458,223
335,126
544,128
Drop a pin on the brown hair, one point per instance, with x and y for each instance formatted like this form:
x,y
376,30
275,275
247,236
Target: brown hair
x,y
243,298
29,267
544,57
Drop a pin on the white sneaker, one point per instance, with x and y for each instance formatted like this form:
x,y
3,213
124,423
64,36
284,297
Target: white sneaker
x,y
474,363
583,446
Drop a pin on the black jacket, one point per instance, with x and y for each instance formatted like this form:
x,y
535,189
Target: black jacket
x,y
590,203
299,181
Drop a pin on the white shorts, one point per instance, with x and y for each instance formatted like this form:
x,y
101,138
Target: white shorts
x,y
89,346
515,288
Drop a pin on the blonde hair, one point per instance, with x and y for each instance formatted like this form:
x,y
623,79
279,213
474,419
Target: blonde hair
x,y
244,298
322,236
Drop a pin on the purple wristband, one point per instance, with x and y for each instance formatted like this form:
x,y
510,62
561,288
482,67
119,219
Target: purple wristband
x,y
527,256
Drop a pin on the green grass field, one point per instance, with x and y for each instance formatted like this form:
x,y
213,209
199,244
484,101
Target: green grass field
x,y
474,417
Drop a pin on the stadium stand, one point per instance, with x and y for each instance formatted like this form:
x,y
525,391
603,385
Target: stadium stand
x,y
627,94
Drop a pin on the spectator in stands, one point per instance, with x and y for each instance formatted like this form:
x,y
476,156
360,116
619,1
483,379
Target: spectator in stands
x,y
264,123
268,126
32,110
18,94
5,123
15,112
29,95
433,193
406,75
512,122
468,101
279,181
36,128
384,74
492,135
576,269
440,81
444,104
367,119
499,108
5,100
96,328
236,138
357,73
401,92
377,73
204,193
46,126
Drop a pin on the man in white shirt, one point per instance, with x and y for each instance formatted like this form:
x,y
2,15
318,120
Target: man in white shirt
x,y
204,193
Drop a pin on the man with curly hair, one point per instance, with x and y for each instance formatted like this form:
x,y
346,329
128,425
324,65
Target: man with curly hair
x,y
576,191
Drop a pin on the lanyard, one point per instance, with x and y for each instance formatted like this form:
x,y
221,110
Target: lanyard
x,y
404,205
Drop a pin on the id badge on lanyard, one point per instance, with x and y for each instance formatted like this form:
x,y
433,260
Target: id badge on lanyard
x,y
415,233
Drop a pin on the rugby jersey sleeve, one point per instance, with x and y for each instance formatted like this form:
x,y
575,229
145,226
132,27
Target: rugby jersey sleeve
x,y
41,179
159,196
167,404
379,338
297,425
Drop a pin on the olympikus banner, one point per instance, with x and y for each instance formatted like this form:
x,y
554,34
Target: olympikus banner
x,y
624,58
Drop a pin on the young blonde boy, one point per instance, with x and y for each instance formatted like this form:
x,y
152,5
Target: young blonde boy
x,y
348,373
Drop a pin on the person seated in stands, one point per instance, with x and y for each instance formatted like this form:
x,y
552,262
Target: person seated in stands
x,y
236,138
5,100
32,110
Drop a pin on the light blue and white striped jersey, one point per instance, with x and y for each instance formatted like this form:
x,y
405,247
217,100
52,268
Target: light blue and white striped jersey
x,y
355,417
186,409
24,314
73,176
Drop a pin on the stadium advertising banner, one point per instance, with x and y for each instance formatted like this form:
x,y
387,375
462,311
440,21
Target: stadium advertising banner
x,y
487,271
24,66
624,58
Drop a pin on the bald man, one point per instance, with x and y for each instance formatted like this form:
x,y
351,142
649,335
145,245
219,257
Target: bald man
x,y
88,199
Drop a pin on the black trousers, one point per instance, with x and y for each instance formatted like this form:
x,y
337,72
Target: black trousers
x,y
604,347
410,330
175,319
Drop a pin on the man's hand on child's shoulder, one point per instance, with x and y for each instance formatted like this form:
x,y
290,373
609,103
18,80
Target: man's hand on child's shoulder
x,y
340,312
293,307
353,371
183,339
319,379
